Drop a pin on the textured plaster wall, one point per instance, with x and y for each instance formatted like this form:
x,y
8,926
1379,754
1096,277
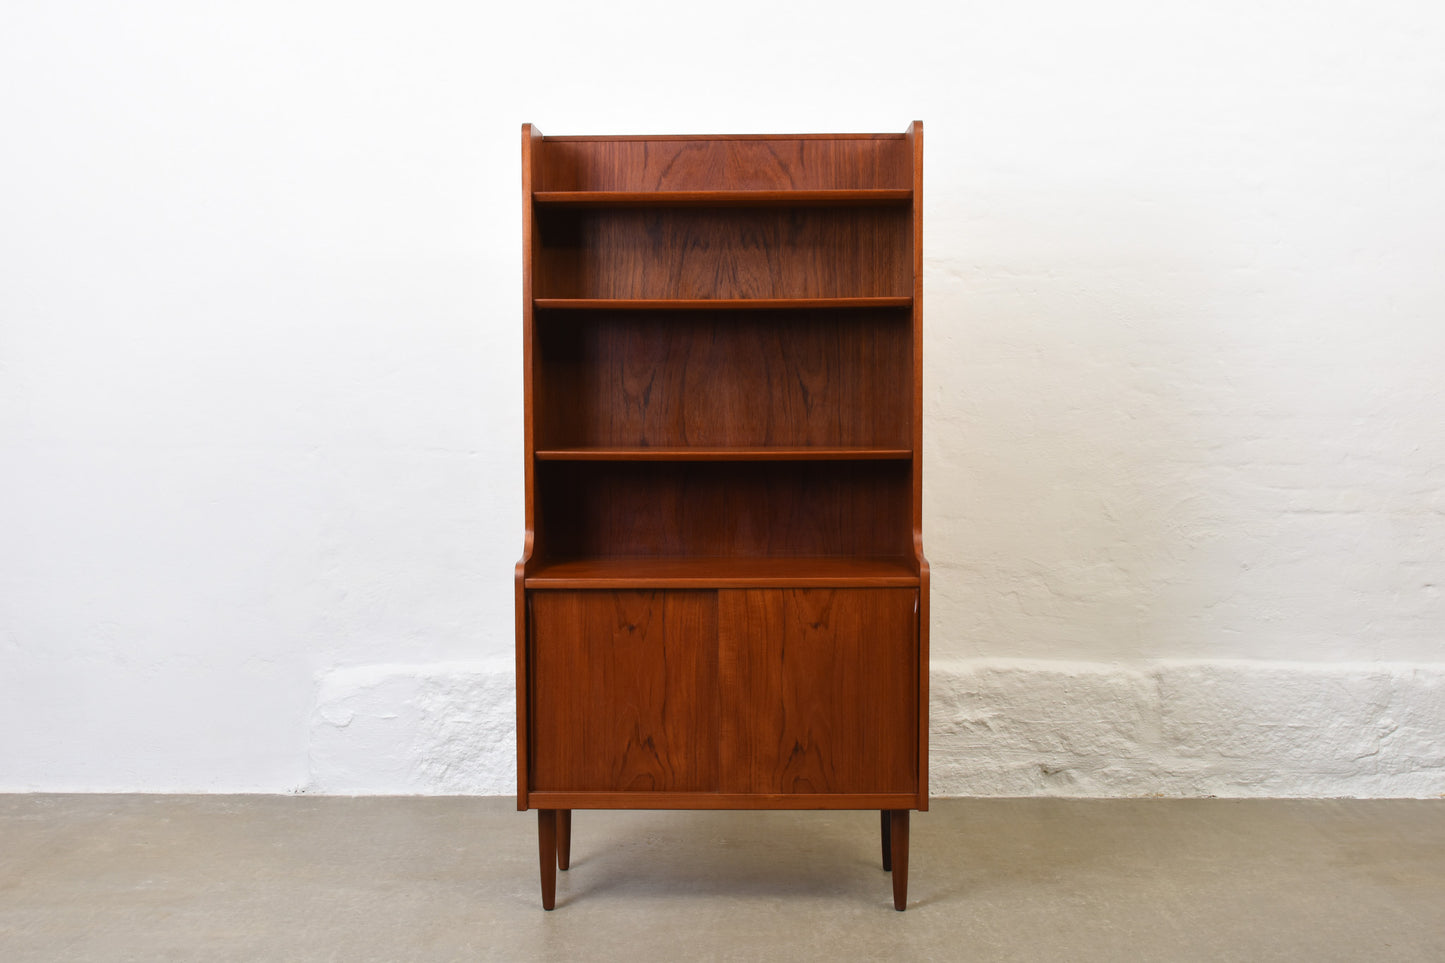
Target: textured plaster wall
x,y
999,728
260,386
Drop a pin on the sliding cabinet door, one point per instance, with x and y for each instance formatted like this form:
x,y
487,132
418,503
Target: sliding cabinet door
x,y
624,691
819,690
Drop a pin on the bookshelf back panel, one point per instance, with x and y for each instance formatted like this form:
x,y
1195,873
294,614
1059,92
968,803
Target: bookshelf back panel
x,y
725,164
724,253
623,509
724,378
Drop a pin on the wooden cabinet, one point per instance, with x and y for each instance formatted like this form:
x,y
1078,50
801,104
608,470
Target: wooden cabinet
x,y
805,692
722,601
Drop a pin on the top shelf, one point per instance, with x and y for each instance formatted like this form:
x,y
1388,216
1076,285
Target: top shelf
x,y
709,138
831,198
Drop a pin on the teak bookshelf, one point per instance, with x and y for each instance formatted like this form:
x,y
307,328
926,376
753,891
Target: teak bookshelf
x,y
722,601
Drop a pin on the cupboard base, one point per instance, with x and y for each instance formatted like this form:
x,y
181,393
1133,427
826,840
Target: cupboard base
x,y
554,842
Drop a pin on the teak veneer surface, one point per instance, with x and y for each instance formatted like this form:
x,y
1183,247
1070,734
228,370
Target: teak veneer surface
x,y
624,690
691,571
822,688
723,600
733,691
589,799
738,453
723,253
746,198
791,378
715,304
725,509
725,163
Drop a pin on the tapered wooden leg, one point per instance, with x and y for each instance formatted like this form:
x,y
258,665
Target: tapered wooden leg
x,y
547,853
899,846
887,822
564,838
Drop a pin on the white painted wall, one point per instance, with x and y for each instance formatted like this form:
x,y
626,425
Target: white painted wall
x,y
260,376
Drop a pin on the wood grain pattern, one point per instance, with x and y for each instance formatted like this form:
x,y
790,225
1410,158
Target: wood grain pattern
x,y
723,510
723,253
862,198
700,572
898,851
547,855
609,138
722,800
564,839
725,163
785,378
914,139
722,600
624,693
741,453
531,139
822,690
714,304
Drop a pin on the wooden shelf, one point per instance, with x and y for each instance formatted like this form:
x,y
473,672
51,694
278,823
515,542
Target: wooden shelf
x,y
714,304
752,453
814,198
701,572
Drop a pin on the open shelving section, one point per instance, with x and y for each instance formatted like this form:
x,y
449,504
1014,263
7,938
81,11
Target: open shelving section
x,y
723,477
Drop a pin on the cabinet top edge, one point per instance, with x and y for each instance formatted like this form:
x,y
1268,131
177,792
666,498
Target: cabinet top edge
x,y
704,137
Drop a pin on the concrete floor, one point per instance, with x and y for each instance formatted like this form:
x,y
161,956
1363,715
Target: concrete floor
x,y
219,878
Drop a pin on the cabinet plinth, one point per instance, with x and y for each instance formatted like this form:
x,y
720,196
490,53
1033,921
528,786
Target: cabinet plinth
x,y
722,601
